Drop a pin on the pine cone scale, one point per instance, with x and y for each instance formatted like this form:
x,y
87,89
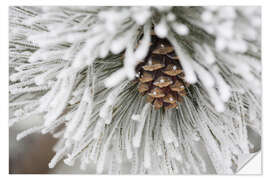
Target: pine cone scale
x,y
161,76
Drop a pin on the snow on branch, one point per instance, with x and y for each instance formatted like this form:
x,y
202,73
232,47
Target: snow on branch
x,y
74,66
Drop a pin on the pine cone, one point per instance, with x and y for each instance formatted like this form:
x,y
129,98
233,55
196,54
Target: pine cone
x,y
160,75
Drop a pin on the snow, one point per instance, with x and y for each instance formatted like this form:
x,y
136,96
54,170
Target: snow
x,y
225,29
112,19
119,44
143,47
204,52
220,44
180,29
207,16
57,157
141,14
91,131
147,153
28,132
223,87
75,119
227,12
85,123
115,78
135,117
204,75
161,29
171,17
106,110
167,133
138,134
185,60
238,46
216,100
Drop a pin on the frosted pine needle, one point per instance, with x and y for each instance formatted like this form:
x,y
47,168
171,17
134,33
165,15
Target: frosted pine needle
x,y
75,67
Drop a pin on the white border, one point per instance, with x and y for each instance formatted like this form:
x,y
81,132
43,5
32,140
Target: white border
x,y
253,166
4,73
136,2
4,88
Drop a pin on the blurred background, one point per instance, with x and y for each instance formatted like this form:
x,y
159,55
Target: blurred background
x,y
32,154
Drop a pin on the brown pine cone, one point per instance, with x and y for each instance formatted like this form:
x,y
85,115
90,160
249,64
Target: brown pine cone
x,y
160,75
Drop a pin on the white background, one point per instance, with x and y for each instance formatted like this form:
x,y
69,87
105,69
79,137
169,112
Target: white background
x,y
253,166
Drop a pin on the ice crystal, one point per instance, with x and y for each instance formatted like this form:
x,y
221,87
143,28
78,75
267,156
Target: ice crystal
x,y
75,67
